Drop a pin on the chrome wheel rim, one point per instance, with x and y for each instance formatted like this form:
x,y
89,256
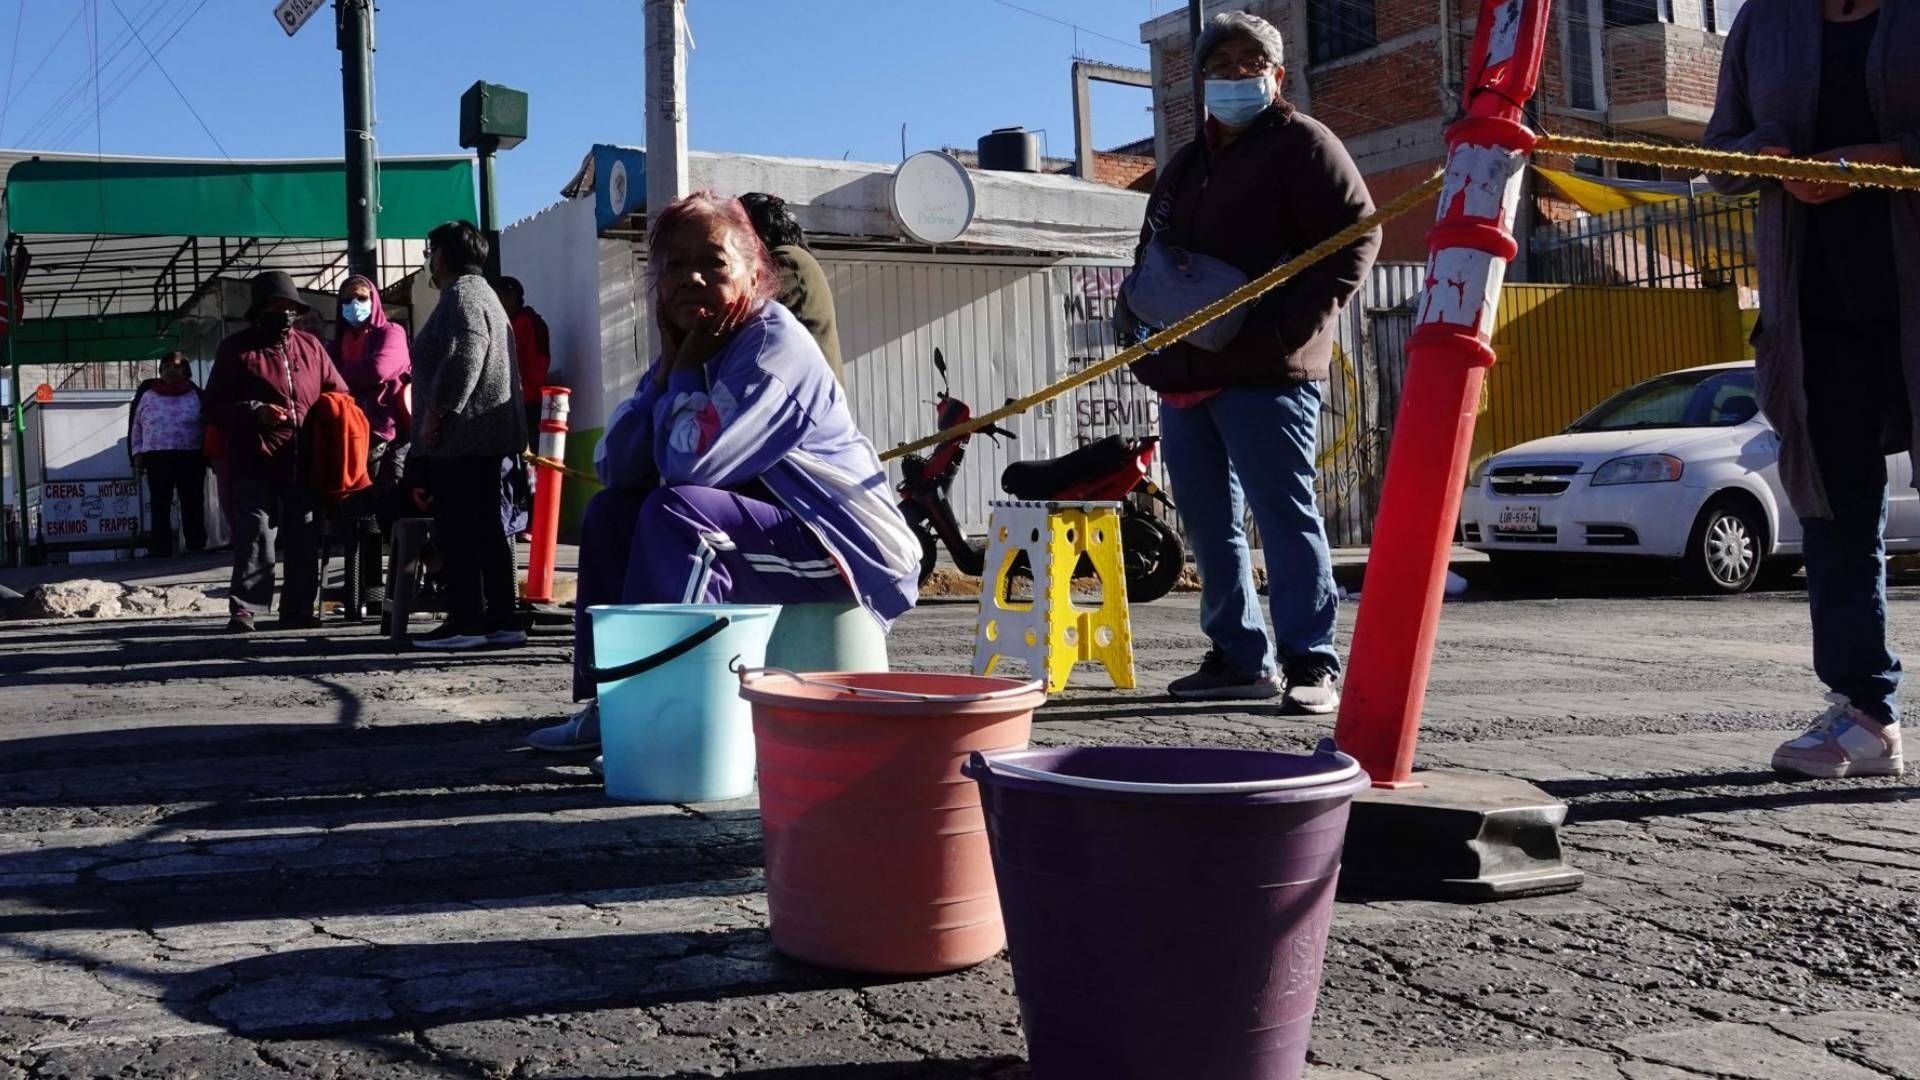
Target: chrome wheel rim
x,y
1730,550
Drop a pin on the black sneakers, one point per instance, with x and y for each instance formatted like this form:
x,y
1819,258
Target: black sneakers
x,y
451,635
1218,681
456,634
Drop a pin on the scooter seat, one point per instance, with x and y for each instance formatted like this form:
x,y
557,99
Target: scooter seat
x,y
1045,478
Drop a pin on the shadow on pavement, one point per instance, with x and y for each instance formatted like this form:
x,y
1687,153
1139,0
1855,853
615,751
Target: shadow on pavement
x,y
136,883
258,763
1697,794
363,991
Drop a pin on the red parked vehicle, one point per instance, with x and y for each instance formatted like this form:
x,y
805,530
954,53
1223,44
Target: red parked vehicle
x,y
1113,469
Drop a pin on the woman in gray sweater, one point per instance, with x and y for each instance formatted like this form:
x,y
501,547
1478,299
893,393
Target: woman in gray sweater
x,y
1838,348
469,430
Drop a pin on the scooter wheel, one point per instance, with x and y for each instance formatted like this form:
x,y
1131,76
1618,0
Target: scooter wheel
x,y
929,550
1153,555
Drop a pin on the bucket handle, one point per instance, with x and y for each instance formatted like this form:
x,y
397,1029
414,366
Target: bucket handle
x,y
664,656
978,768
896,695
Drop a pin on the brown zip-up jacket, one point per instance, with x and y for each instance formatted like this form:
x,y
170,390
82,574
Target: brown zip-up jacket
x,y
251,369
1283,186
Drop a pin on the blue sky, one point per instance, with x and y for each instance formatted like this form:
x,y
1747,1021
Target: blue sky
x,y
807,78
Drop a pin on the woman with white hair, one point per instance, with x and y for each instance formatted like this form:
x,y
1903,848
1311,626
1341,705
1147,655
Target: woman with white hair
x,y
1260,184
735,473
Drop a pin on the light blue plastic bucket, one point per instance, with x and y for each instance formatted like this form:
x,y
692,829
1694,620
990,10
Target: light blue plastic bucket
x,y
673,728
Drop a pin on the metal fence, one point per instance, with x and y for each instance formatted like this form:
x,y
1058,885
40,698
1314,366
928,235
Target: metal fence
x,y
1362,394
1563,349
1701,242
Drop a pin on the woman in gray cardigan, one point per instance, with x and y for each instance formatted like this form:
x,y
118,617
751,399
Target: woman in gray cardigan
x,y
470,428
1838,348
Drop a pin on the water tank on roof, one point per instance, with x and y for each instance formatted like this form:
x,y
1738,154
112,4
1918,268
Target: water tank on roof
x,y
1011,149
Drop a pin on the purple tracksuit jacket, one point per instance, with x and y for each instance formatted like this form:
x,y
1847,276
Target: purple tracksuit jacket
x,y
768,408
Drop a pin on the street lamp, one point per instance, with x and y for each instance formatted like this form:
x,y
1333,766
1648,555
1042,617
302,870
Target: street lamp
x,y
492,118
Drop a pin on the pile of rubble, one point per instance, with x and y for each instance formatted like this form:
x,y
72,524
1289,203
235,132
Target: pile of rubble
x,y
87,598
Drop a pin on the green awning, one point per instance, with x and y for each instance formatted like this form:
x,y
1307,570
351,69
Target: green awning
x,y
82,339
303,200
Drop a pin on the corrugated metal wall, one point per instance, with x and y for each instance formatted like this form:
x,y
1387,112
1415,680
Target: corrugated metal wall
x,y
1357,410
1115,404
991,320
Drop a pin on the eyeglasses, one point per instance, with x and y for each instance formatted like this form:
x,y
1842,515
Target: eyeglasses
x,y
1249,68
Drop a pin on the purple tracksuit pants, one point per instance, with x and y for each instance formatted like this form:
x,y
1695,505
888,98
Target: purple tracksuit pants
x,y
693,545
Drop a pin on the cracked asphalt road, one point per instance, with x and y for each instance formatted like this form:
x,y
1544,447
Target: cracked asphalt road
x,y
304,854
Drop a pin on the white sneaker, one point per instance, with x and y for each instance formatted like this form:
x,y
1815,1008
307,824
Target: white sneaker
x,y
1312,689
581,731
1842,742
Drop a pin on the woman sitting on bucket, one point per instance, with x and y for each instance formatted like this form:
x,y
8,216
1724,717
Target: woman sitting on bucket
x,y
735,473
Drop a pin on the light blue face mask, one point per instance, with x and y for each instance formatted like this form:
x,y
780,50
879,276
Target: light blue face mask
x,y
1235,102
357,312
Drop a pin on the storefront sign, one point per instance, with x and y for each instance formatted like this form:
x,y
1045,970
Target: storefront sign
x,y
80,511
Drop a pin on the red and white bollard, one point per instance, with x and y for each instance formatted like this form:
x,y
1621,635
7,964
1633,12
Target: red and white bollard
x,y
1447,357
552,446
1447,834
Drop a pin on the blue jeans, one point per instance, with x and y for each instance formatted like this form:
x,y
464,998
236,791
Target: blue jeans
x,y
1255,448
1848,371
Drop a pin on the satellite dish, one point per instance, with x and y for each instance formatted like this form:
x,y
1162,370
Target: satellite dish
x,y
617,188
933,197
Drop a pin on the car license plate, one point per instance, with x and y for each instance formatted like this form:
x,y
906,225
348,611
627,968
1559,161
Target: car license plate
x,y
1519,519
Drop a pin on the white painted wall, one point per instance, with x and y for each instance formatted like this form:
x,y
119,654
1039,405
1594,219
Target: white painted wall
x,y
574,279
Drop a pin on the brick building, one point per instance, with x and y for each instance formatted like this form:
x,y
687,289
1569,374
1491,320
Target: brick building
x,y
1385,76
1131,166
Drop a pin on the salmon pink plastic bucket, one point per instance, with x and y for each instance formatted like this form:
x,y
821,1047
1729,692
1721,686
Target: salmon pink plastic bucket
x,y
876,848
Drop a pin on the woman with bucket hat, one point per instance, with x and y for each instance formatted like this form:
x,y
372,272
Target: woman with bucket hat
x,y
265,380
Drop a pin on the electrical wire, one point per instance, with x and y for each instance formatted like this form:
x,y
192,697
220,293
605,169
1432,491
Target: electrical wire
x,y
64,129
1070,25
51,49
71,102
130,74
12,61
181,94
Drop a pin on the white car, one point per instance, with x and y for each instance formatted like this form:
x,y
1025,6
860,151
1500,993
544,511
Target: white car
x,y
1682,467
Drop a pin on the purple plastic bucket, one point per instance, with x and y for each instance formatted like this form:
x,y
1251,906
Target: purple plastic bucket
x,y
1166,908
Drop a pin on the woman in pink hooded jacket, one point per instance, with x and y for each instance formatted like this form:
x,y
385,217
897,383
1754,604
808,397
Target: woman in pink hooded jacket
x,y
373,358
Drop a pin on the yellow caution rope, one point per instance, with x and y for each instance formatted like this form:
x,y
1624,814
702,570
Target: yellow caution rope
x,y
1252,290
1684,157
1859,173
560,467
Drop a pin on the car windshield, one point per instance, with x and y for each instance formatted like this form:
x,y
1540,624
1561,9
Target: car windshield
x,y
1723,397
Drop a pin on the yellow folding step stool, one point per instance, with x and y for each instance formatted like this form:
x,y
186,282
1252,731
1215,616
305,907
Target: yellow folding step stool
x,y
1049,633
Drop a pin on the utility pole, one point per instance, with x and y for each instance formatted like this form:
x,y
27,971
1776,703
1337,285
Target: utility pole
x,y
666,104
354,22
1196,22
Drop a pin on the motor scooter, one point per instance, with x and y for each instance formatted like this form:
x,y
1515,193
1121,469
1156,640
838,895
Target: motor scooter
x,y
1113,469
